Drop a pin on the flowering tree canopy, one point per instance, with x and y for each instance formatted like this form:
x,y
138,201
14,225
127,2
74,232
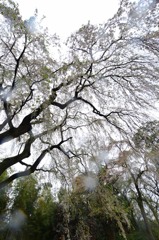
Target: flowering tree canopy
x,y
61,106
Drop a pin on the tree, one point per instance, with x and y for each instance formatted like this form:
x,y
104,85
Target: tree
x,y
45,219
52,108
32,211
138,177
146,140
4,200
24,197
98,214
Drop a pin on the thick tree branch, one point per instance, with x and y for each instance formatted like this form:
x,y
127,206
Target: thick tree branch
x,y
25,125
8,162
34,165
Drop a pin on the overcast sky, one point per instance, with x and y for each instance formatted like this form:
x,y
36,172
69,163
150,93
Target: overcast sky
x,y
66,16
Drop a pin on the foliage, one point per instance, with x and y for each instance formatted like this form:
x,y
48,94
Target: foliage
x,y
97,214
4,202
147,137
45,217
88,215
3,196
138,180
32,214
26,194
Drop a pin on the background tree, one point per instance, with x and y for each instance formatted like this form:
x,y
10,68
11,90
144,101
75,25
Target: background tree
x,y
24,195
138,177
45,218
109,211
99,214
4,205
32,213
